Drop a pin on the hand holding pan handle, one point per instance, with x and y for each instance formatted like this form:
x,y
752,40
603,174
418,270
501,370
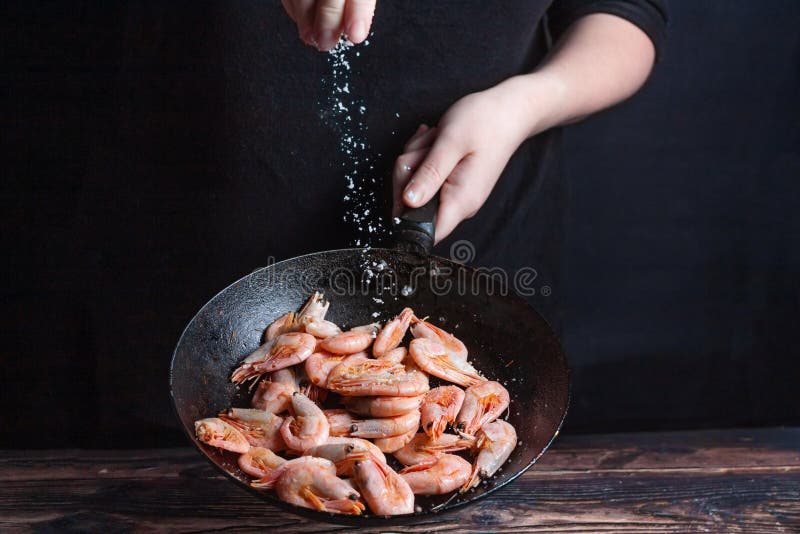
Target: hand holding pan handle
x,y
415,231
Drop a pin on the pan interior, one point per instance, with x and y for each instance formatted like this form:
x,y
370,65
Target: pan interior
x,y
507,341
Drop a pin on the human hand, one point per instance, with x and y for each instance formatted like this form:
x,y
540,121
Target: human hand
x,y
463,156
320,23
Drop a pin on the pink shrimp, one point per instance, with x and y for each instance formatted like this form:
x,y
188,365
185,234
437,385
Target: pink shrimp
x,y
454,347
392,333
396,355
385,492
483,403
312,483
320,364
320,328
283,324
339,421
308,427
495,443
440,406
446,474
343,452
260,428
218,433
258,461
283,351
273,397
365,378
421,449
347,342
394,443
382,406
432,358
385,427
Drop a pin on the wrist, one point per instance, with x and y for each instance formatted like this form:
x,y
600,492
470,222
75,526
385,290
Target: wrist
x,y
537,100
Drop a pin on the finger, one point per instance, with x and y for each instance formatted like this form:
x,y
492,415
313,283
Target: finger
x,y
421,129
328,23
358,19
432,172
404,167
457,200
421,140
302,13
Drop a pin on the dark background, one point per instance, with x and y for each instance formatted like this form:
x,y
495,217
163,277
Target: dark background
x,y
683,233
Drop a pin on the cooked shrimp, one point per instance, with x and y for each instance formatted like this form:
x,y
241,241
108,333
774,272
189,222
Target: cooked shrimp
x,y
283,351
308,427
316,307
258,461
339,421
371,328
446,474
320,364
273,397
494,444
283,324
385,427
365,378
483,403
347,342
432,358
454,347
344,451
385,492
394,443
396,355
421,449
218,433
439,408
312,483
320,328
382,406
260,428
392,333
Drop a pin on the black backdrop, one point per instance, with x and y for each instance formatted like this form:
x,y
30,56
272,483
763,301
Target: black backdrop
x,y
683,234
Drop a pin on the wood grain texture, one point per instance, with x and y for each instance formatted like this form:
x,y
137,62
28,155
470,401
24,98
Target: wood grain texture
x,y
709,481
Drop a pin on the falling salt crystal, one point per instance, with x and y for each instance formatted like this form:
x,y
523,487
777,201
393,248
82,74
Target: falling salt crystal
x,y
377,300
406,291
397,115
375,314
396,220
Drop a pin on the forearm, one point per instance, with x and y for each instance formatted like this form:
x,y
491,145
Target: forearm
x,y
600,61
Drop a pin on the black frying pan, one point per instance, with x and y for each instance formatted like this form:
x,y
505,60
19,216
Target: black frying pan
x,y
507,340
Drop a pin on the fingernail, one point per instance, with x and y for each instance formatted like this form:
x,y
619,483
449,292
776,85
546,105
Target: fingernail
x,y
327,40
410,195
357,31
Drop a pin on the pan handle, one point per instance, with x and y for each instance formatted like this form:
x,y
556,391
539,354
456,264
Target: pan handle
x,y
415,230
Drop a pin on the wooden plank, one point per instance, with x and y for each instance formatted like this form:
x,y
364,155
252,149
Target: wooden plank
x,y
733,481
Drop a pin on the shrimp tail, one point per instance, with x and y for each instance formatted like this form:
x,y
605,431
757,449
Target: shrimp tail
x,y
473,481
346,506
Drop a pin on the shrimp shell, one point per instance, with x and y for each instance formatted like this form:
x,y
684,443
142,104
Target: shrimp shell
x,y
392,333
219,433
446,474
347,342
258,461
495,443
385,427
308,427
375,377
385,492
483,403
382,406
440,406
432,358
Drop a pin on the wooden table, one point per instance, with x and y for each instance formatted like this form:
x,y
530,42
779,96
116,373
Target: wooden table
x,y
709,481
